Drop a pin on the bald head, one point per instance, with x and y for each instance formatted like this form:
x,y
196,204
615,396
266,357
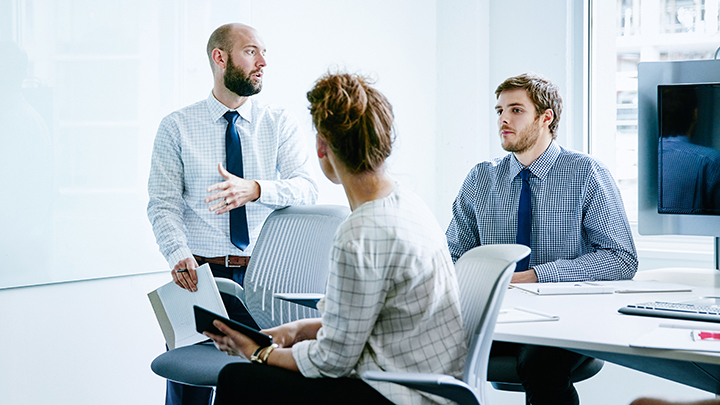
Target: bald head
x,y
224,38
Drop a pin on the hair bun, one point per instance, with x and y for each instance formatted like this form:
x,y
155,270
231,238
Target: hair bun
x,y
354,118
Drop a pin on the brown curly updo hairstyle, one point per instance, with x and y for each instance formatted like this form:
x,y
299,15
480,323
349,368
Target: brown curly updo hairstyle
x,y
354,119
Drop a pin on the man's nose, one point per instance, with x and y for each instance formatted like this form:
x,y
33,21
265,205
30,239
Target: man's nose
x,y
502,118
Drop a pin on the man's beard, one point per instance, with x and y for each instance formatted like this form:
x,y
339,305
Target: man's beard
x,y
526,139
237,81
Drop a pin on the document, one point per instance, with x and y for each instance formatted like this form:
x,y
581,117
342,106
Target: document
x,y
173,308
520,314
601,287
584,287
678,338
649,286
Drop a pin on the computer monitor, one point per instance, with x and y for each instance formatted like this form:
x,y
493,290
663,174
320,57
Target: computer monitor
x,y
679,148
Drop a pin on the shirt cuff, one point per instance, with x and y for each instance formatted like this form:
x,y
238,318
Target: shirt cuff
x,y
547,273
268,192
178,255
301,354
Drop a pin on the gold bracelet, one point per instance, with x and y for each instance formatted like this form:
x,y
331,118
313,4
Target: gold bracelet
x,y
267,353
255,358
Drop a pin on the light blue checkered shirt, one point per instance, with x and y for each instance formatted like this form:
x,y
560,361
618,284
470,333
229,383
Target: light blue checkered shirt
x,y
579,227
392,300
189,145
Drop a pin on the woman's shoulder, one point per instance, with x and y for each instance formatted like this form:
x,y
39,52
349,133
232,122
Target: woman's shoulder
x,y
400,216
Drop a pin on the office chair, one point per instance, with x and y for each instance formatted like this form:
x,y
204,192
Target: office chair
x,y
291,255
483,276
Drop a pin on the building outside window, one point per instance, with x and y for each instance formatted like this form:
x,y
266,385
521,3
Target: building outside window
x,y
645,30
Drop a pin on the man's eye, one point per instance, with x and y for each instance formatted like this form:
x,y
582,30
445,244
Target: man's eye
x,y
251,52
498,112
517,110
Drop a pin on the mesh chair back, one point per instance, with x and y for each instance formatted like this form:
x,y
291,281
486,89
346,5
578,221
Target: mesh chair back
x,y
483,276
291,255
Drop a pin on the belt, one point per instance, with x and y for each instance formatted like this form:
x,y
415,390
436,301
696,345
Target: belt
x,y
227,261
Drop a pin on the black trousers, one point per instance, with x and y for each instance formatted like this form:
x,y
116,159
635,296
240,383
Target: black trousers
x,y
246,383
180,394
544,371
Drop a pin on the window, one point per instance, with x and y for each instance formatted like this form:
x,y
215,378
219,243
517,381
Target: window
x,y
624,33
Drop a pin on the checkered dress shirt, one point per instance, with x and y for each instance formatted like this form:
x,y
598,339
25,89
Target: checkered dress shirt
x,y
189,145
392,300
579,227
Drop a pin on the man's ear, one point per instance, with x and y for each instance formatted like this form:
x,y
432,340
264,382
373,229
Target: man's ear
x,y
321,148
547,117
220,58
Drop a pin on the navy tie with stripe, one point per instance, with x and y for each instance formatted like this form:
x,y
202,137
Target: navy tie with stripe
x,y
524,227
233,149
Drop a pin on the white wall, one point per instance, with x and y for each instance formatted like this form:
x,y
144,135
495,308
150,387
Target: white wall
x,y
88,342
437,61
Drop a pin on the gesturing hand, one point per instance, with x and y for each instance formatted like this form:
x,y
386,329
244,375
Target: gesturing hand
x,y
232,193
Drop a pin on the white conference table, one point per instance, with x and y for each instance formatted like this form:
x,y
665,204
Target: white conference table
x,y
590,324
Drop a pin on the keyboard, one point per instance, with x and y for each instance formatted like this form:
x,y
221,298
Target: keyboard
x,y
674,310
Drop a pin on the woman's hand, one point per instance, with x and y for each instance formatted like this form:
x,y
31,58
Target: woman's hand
x,y
292,332
233,343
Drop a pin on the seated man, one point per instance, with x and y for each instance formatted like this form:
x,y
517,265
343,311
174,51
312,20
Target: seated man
x,y
563,204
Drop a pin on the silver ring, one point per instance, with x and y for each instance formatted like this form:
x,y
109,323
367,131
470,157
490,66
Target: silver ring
x,y
226,202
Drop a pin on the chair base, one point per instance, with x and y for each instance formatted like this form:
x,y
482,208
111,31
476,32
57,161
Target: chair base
x,y
502,372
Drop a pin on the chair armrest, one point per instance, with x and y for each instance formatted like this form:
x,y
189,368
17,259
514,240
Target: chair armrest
x,y
227,286
437,384
305,299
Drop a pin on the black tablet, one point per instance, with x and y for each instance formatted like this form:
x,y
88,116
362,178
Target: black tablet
x,y
204,323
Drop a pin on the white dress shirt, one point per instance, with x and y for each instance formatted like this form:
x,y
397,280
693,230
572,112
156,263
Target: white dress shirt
x,y
392,300
189,145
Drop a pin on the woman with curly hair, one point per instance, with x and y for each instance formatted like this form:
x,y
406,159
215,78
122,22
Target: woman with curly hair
x,y
392,297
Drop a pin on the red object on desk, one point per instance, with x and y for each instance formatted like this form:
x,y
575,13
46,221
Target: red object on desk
x,y
709,336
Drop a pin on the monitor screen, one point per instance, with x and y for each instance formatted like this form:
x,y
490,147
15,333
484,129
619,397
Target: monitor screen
x,y
689,149
678,135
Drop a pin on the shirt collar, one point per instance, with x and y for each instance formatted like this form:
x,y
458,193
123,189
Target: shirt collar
x,y
218,109
541,166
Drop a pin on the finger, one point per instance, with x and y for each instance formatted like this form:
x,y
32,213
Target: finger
x,y
193,277
219,187
221,326
179,280
219,341
224,209
215,338
186,281
179,267
226,174
231,333
186,273
219,206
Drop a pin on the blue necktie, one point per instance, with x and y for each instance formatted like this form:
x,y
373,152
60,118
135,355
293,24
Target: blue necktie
x,y
524,227
233,149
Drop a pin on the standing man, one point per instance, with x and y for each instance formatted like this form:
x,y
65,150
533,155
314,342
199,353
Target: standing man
x,y
563,204
219,168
